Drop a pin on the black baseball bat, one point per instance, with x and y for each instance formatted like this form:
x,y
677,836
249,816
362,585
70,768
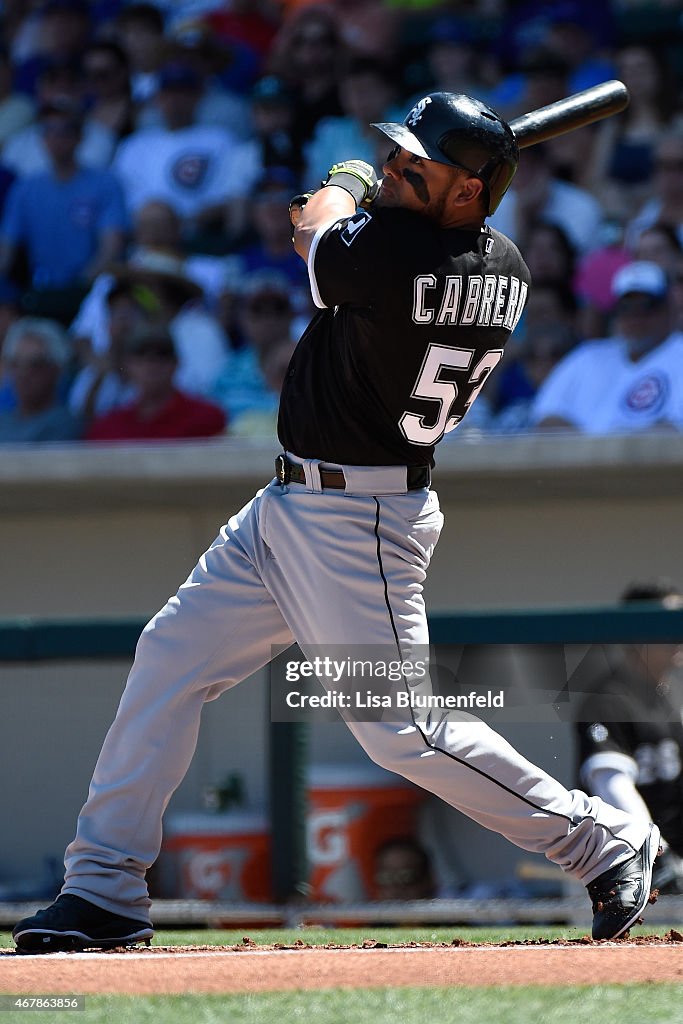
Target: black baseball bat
x,y
575,111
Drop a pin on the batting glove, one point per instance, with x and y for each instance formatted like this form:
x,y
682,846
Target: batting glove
x,y
357,178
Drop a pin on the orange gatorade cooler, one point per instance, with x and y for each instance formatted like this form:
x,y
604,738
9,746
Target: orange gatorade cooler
x,y
217,857
352,811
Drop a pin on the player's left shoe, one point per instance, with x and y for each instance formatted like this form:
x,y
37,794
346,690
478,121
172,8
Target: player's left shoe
x,y
620,894
72,923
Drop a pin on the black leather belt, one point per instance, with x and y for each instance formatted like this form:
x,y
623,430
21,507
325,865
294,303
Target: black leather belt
x,y
287,471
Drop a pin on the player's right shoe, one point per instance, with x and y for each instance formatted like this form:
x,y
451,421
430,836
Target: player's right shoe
x,y
72,923
620,894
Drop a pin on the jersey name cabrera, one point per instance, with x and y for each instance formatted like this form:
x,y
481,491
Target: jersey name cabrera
x,y
413,320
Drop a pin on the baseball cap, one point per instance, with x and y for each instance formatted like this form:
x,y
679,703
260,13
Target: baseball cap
x,y
642,276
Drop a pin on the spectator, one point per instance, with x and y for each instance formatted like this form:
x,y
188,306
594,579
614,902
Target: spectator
x,y
247,387
549,304
108,92
666,205
521,377
453,60
536,194
26,151
159,411
403,871
366,93
261,420
276,141
16,109
628,382
246,30
660,244
542,79
168,295
578,30
139,30
193,45
101,383
71,220
306,53
594,275
369,27
629,733
60,33
269,247
549,254
35,354
622,163
195,168
158,229
551,312
576,41
157,244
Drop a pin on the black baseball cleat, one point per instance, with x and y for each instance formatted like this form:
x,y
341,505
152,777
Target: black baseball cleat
x,y
72,923
620,894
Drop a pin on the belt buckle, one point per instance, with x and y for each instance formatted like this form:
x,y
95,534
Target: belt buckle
x,y
282,470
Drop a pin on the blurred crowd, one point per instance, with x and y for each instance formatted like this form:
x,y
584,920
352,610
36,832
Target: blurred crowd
x,y
148,152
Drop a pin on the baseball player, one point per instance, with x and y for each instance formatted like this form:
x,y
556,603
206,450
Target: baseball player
x,y
630,737
417,298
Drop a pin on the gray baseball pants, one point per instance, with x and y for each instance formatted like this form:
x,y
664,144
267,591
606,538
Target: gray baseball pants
x,y
318,567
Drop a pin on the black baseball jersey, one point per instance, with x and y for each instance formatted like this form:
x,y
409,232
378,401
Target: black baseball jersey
x,y
633,726
414,319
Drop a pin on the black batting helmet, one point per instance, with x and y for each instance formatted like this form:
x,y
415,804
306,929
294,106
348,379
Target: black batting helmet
x,y
460,131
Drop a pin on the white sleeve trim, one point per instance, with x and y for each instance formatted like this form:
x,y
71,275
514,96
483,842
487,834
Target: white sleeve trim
x,y
315,293
610,759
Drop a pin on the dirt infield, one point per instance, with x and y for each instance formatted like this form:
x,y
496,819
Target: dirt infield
x,y
250,968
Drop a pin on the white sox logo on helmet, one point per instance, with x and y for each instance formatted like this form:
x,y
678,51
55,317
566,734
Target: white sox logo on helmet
x,y
417,111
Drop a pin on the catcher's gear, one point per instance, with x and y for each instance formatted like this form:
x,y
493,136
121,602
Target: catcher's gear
x,y
296,205
357,177
460,131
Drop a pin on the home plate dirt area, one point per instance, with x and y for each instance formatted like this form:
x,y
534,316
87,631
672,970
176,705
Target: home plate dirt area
x,y
249,967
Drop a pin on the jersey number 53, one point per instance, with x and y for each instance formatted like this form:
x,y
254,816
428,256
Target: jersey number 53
x,y
435,383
